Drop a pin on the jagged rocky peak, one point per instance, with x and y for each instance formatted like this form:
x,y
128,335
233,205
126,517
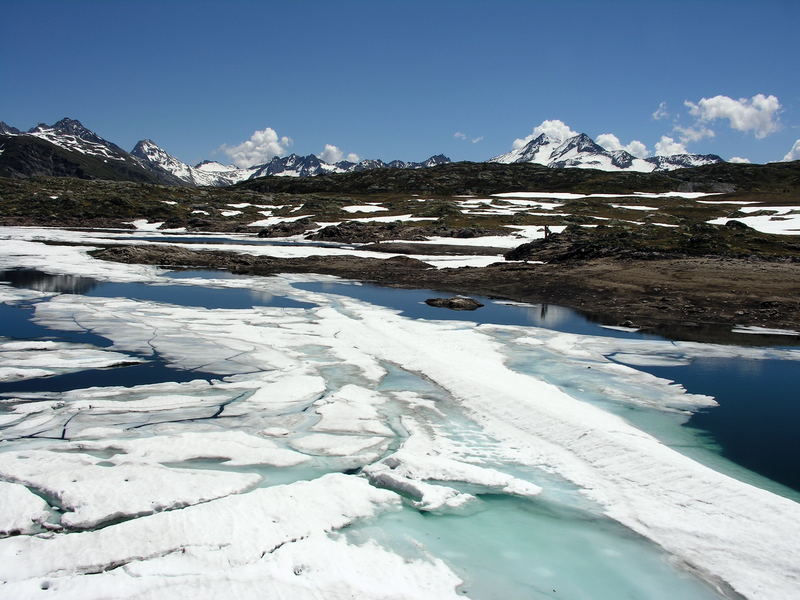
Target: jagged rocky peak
x,y
67,126
146,149
437,159
7,129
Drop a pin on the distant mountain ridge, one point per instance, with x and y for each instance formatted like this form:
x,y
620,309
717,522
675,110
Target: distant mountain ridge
x,y
83,153
68,149
582,152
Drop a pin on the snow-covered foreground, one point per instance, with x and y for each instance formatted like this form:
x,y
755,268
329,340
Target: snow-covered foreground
x,y
344,451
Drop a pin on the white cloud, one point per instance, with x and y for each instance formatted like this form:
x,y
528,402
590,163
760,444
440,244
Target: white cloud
x,y
558,130
694,134
261,147
637,149
759,114
666,146
611,142
794,153
661,111
739,159
331,154
460,135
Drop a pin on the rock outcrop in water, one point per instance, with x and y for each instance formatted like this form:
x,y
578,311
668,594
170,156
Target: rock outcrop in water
x,y
454,303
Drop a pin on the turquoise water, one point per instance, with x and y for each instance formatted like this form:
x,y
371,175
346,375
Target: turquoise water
x,y
515,549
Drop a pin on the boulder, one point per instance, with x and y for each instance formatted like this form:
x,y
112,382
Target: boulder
x,y
454,303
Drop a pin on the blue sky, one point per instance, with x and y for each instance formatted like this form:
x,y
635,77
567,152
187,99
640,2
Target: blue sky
x,y
400,79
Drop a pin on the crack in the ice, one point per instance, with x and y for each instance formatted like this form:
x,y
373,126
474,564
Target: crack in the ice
x,y
217,415
66,423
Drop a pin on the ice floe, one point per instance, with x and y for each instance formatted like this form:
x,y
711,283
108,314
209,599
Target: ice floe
x,y
91,491
23,511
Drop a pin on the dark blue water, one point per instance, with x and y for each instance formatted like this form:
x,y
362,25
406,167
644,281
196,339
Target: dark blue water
x,y
183,295
16,322
757,422
411,303
153,371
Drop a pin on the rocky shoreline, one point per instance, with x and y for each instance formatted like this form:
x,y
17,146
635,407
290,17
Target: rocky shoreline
x,y
691,298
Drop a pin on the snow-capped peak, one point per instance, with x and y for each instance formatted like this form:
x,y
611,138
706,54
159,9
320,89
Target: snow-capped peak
x,y
156,158
581,151
70,134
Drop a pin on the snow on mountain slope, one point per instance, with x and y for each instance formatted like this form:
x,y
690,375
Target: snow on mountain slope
x,y
583,152
72,135
215,173
207,173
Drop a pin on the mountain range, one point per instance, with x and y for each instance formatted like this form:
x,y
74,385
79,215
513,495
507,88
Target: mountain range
x,y
581,151
68,149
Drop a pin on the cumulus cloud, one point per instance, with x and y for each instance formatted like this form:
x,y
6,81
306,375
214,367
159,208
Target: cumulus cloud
x,y
693,134
794,153
661,112
758,114
558,130
611,142
740,159
261,147
666,146
333,154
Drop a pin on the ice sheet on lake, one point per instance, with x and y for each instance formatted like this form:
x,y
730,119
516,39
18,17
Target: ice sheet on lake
x,y
325,367
719,525
92,492
209,549
25,361
234,448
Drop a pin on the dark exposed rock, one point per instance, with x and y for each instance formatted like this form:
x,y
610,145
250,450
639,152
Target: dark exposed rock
x,y
287,229
454,303
653,242
355,232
